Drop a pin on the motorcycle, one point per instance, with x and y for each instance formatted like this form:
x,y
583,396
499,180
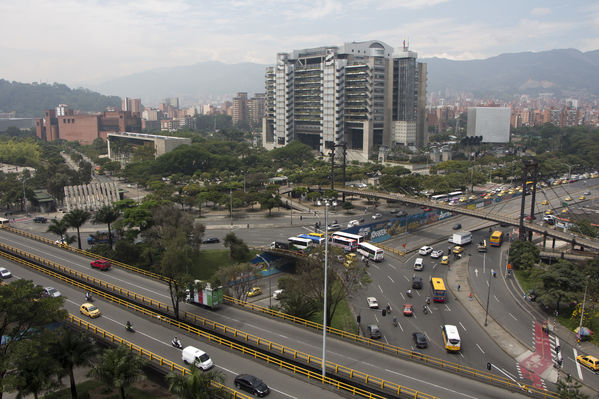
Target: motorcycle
x,y
425,309
129,328
409,293
176,344
88,298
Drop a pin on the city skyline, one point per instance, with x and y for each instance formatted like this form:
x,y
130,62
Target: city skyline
x,y
76,43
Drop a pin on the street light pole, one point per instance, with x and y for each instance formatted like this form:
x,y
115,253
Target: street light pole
x,y
324,313
488,297
24,199
269,280
583,302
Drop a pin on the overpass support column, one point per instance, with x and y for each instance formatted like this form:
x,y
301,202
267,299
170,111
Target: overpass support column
x,y
544,239
553,245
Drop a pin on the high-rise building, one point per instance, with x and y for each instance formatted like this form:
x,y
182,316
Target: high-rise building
x,y
131,104
240,108
360,94
256,109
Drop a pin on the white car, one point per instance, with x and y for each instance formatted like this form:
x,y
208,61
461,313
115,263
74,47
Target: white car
x,y
425,250
4,273
377,216
276,294
372,303
436,254
419,264
353,223
51,291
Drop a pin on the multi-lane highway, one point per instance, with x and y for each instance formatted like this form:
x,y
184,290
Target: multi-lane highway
x,y
411,374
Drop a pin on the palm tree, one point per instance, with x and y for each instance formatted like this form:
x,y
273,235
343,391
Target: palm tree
x,y
107,214
58,227
196,385
76,218
119,368
73,349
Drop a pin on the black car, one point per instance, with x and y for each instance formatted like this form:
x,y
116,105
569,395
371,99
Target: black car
x,y
420,340
457,226
40,219
251,384
417,282
211,240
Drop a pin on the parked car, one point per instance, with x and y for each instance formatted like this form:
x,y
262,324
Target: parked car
x,y
373,331
4,273
408,310
211,240
425,250
51,291
251,384
89,310
100,264
372,303
420,340
40,219
254,291
377,216
436,254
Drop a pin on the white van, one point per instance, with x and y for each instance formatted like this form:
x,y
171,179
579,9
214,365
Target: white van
x,y
191,355
419,264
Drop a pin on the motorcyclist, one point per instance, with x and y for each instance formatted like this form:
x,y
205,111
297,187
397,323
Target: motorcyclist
x,y
88,296
410,293
428,300
176,342
129,326
395,321
425,309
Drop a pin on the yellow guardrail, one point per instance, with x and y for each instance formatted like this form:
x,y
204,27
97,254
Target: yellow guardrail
x,y
392,250
343,371
396,350
146,354
86,253
283,350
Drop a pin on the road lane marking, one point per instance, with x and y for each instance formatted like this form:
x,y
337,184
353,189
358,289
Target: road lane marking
x,y
380,289
497,299
393,267
430,384
577,364
513,317
391,279
481,349
447,307
462,326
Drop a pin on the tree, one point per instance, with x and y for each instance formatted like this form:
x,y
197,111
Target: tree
x,y
195,385
570,389
23,315
239,250
523,255
270,201
295,302
77,218
237,278
58,227
107,214
72,349
560,282
119,368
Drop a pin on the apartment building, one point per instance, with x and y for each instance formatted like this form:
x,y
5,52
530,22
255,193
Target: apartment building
x,y
240,108
360,93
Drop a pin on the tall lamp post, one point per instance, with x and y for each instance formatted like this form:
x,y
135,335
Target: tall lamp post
x,y
24,199
269,280
324,313
583,303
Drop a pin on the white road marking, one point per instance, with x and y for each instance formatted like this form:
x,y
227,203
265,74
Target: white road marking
x,y
380,289
429,383
481,349
393,267
391,279
577,364
448,308
376,318
476,272
462,326
497,299
513,317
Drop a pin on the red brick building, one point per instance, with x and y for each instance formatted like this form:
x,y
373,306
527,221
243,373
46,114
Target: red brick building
x,y
85,128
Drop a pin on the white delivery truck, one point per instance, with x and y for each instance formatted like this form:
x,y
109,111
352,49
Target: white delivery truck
x,y
193,355
461,238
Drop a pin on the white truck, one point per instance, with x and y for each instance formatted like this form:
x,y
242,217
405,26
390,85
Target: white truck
x,y
461,238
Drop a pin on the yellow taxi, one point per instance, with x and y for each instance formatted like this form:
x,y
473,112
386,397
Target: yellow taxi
x,y
350,259
510,192
590,361
582,198
458,250
463,199
568,198
549,212
445,260
564,210
254,291
472,197
89,310
545,202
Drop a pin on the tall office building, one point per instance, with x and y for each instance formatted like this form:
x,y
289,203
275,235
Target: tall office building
x,y
359,93
240,108
256,109
131,104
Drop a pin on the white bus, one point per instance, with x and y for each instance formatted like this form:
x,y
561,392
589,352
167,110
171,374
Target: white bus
x,y
358,238
370,251
440,197
455,195
345,243
299,243
451,338
314,239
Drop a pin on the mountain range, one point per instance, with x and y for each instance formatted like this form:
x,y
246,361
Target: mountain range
x,y
562,72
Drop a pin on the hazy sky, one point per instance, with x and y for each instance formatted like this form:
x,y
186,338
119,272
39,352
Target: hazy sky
x,y
73,41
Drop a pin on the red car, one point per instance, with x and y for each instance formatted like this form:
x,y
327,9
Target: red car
x,y
100,264
408,310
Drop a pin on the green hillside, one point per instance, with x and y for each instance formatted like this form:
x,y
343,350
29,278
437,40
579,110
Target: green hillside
x,y
31,99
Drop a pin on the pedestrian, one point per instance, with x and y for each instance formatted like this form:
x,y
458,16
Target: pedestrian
x,y
470,296
525,297
494,273
459,286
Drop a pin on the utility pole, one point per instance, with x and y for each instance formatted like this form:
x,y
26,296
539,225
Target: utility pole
x,y
332,154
